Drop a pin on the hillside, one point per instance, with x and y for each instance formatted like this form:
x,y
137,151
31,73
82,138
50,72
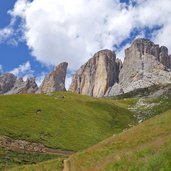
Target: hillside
x,y
61,120
143,147
146,146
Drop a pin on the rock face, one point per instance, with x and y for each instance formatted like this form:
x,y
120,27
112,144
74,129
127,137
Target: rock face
x,y
97,75
145,64
7,81
164,58
55,81
23,87
9,84
115,90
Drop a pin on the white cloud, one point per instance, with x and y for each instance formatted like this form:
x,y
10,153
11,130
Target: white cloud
x,y
23,70
71,30
163,36
40,78
5,34
68,81
1,69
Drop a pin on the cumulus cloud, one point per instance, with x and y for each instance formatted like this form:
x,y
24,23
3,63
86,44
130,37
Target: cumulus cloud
x,y
72,30
23,70
162,36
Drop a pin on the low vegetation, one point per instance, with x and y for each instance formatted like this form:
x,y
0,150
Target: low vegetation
x,y
51,165
62,120
146,146
74,122
10,159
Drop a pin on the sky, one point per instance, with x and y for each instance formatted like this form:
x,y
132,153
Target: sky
x,y
37,35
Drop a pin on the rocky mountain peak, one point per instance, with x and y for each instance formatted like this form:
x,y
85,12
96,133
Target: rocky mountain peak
x,y
55,81
145,64
164,58
31,85
7,81
24,87
97,75
146,47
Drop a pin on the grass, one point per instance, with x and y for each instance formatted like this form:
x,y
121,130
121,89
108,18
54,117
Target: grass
x,y
146,147
74,122
9,159
147,159
51,165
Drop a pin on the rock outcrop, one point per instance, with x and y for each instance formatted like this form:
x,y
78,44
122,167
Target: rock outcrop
x,y
97,75
145,64
24,87
55,81
7,81
164,58
115,90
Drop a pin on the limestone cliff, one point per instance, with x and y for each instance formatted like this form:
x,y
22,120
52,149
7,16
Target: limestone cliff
x,y
24,87
7,81
55,81
97,75
145,64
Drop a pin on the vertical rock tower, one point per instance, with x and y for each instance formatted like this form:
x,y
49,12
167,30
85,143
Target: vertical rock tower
x,y
145,64
97,75
55,81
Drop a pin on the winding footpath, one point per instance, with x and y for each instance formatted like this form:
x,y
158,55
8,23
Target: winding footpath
x,y
66,165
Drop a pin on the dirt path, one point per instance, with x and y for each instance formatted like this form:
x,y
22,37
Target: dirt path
x,y
28,147
66,165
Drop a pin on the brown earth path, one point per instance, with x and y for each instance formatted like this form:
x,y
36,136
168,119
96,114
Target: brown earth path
x,y
30,147
66,165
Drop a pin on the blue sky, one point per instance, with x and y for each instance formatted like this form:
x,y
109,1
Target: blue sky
x,y
12,56
35,36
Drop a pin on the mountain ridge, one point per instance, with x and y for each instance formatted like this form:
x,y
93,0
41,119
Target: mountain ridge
x,y
145,64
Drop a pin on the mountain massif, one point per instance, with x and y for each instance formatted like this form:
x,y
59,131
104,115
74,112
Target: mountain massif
x,y
145,64
97,75
46,128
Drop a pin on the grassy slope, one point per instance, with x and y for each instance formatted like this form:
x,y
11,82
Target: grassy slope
x,y
9,159
143,147
74,123
139,148
51,165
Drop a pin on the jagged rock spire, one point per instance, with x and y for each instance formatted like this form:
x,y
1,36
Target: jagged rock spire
x,y
55,81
